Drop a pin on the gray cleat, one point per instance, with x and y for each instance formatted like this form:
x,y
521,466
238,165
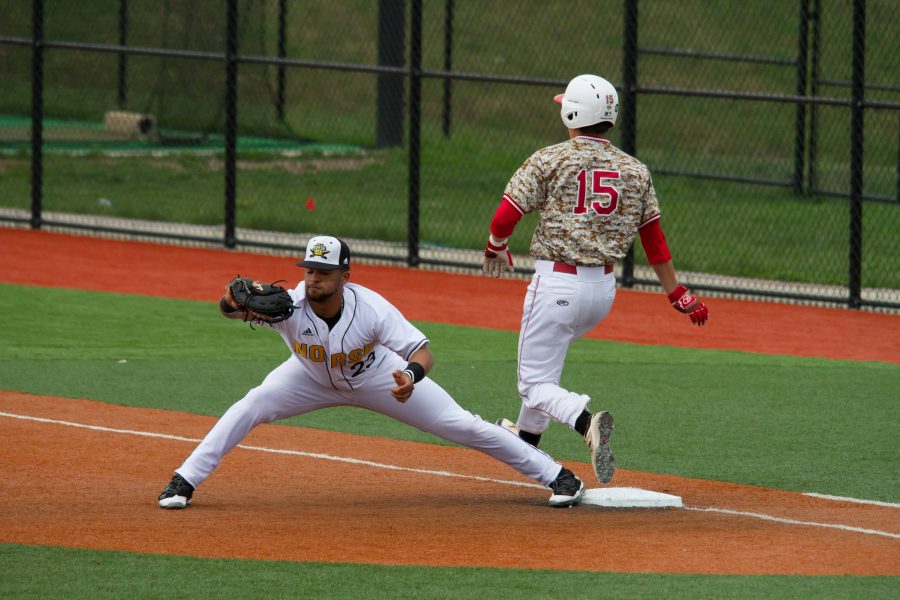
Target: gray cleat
x,y
597,439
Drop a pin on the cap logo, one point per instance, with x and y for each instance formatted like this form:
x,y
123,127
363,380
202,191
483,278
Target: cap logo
x,y
319,250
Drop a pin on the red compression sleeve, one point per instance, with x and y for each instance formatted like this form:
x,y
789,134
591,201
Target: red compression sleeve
x,y
654,242
505,219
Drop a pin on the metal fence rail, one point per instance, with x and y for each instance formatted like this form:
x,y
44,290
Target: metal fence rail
x,y
411,110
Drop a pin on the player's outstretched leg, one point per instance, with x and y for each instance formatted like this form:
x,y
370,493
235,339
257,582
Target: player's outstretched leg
x,y
597,439
431,409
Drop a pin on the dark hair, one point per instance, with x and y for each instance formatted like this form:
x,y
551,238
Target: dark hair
x,y
597,128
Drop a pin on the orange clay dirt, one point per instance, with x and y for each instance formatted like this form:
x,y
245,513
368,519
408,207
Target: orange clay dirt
x,y
96,487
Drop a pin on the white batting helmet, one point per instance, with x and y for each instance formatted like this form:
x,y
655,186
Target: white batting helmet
x,y
588,100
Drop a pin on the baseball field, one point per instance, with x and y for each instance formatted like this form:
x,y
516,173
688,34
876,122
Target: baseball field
x,y
776,424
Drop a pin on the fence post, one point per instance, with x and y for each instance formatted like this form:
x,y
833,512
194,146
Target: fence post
x,y
123,58
448,63
802,60
628,109
282,53
389,102
816,18
857,138
231,64
37,112
415,113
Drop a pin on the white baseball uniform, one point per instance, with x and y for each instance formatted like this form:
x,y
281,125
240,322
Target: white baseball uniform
x,y
352,365
592,198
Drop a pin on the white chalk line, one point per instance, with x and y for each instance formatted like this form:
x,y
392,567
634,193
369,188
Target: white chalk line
x,y
847,499
343,459
378,465
738,513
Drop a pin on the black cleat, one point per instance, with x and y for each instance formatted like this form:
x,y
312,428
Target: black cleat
x,y
177,494
567,489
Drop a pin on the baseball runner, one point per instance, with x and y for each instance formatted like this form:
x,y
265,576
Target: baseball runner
x,y
593,200
350,347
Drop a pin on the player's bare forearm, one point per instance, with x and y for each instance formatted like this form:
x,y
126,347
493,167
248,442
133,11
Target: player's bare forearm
x,y
405,384
424,357
665,272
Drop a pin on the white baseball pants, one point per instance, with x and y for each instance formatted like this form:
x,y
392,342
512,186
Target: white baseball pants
x,y
559,308
289,391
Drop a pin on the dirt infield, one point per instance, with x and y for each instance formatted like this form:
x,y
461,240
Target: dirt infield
x,y
79,473
77,487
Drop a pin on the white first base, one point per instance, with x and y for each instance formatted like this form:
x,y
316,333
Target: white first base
x,y
625,497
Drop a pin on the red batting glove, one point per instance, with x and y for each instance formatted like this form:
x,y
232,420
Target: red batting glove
x,y
684,302
497,258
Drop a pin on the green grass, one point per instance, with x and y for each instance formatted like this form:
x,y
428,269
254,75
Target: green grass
x,y
784,422
39,572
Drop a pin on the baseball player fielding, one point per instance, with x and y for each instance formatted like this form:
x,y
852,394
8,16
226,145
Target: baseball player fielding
x,y
351,347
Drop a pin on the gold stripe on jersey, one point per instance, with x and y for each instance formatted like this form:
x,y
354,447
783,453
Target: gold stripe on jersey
x,y
592,197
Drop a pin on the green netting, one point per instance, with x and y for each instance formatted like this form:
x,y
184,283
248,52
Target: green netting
x,y
65,136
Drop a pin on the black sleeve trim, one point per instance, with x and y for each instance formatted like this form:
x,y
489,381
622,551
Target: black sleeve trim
x,y
413,351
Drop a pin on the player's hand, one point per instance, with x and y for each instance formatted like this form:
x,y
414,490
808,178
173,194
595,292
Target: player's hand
x,y
497,258
404,388
227,305
684,302
229,297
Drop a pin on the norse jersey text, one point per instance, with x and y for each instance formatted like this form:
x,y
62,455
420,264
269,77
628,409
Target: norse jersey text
x,y
371,335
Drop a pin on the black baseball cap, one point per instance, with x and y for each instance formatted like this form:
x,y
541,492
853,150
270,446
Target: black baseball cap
x,y
326,252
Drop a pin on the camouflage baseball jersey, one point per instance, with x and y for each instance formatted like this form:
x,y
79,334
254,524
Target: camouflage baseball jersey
x,y
592,198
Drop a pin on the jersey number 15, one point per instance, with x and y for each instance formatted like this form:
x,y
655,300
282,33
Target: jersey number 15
x,y
597,188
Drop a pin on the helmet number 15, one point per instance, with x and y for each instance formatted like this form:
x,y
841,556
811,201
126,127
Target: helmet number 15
x,y
610,193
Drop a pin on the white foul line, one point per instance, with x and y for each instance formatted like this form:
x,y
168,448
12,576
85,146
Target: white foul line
x,y
461,476
738,513
856,500
369,463
343,459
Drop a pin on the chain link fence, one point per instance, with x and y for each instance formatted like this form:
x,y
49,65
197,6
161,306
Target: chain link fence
x,y
772,129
